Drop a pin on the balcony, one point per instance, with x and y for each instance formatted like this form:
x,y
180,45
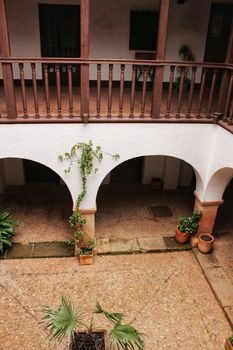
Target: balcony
x,y
84,89
59,95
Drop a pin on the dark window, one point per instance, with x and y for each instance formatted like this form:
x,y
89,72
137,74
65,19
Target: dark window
x,y
143,30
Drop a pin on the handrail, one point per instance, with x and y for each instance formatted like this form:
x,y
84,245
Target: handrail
x,y
66,60
128,96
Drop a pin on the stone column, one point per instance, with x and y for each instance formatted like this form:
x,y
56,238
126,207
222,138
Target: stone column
x,y
89,228
209,211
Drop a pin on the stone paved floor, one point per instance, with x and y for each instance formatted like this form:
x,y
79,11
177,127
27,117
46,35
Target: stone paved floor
x,y
165,296
124,211
223,251
42,210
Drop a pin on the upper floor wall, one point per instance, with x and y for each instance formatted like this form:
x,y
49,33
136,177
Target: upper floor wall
x,y
110,27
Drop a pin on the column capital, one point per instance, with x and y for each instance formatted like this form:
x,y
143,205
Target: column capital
x,y
204,203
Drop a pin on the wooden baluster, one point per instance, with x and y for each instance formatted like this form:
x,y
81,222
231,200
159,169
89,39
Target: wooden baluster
x,y
213,81
70,90
203,79
35,93
132,100
230,120
98,102
169,98
58,83
229,93
144,84
181,89
7,69
121,100
192,85
110,76
23,90
46,86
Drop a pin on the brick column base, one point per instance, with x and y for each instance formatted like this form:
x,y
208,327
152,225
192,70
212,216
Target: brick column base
x,y
209,211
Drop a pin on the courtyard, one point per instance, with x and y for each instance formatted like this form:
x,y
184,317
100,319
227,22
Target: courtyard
x,y
164,295
177,299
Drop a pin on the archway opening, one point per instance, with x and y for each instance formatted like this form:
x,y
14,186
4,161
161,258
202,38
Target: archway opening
x,y
223,232
145,197
38,198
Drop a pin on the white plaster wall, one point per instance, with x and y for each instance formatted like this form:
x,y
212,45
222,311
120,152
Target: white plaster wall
x,y
202,146
221,158
109,28
173,172
186,174
153,166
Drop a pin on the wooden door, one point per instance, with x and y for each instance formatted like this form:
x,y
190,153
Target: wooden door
x,y
220,22
60,37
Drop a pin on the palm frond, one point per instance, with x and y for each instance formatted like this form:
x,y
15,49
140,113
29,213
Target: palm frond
x,y
114,317
63,321
124,336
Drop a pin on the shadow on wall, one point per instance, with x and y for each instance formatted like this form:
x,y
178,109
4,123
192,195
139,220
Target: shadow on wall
x,y
224,219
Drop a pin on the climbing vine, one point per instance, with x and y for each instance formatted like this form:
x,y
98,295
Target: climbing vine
x,y
84,156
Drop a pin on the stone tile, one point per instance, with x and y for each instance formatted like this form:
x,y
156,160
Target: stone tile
x,y
120,245
229,312
151,243
103,245
52,249
19,251
171,244
206,260
220,285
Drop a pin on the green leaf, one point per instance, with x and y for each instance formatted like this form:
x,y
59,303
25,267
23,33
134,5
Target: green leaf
x,y
113,317
124,336
61,322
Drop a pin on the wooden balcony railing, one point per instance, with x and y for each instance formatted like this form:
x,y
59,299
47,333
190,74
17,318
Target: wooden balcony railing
x,y
50,90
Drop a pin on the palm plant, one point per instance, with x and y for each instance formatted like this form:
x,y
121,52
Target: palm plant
x,y
66,320
7,229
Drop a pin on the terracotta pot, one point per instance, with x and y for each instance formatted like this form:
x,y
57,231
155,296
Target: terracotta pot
x,y
86,259
181,237
205,243
228,345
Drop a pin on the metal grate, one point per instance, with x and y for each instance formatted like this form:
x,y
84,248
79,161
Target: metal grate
x,y
161,212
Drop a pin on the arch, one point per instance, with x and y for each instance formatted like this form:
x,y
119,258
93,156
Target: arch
x,y
42,163
199,181
217,184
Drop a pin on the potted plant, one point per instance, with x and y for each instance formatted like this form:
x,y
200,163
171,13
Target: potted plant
x,y
205,242
188,225
86,252
83,247
186,54
229,343
7,229
66,322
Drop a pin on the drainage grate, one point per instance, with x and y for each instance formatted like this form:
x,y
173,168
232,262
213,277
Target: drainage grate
x,y
161,212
